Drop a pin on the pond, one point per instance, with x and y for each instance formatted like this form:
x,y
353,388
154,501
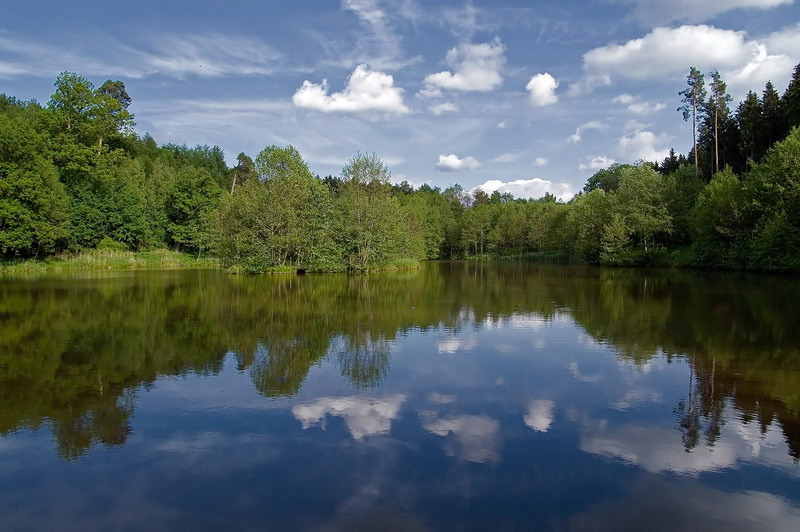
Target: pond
x,y
462,396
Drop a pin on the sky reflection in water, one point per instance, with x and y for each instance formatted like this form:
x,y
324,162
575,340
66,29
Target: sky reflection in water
x,y
461,396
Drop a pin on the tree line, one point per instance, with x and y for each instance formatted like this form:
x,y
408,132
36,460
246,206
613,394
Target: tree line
x,y
75,176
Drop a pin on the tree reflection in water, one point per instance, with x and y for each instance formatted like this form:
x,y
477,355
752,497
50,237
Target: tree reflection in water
x,y
74,351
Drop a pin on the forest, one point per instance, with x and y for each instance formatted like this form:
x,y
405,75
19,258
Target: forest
x,y
75,176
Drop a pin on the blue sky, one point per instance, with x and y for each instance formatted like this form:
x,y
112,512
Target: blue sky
x,y
520,96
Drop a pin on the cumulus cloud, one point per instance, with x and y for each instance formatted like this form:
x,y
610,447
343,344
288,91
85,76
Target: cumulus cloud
x,y
636,106
786,41
366,90
363,416
663,11
452,163
579,131
529,188
643,145
543,89
475,67
541,161
743,62
442,108
596,163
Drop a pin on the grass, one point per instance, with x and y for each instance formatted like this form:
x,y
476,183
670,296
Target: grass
x,y
108,259
401,264
160,259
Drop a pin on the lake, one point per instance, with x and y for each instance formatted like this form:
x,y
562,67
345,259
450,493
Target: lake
x,y
462,396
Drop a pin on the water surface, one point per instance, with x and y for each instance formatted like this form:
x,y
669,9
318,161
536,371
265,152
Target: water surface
x,y
500,396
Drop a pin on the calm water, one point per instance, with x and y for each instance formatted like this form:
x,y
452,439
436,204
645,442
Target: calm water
x,y
462,396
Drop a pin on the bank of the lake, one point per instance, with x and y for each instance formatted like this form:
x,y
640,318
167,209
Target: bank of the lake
x,y
108,259
159,259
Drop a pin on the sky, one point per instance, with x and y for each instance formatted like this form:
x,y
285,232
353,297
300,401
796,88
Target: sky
x,y
518,96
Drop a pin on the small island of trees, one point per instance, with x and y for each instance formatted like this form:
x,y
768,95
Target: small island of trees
x,y
75,176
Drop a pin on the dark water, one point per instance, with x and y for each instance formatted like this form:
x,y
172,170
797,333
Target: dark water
x,y
462,396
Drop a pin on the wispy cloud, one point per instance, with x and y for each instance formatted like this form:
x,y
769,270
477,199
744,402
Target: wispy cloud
x,y
380,45
580,130
177,56
636,105
664,11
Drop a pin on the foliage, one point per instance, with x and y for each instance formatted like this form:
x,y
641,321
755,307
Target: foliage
x,y
33,203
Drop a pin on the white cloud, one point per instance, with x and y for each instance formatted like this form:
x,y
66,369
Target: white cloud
x,y
744,63
174,56
363,416
442,108
596,163
452,163
663,11
508,157
366,90
529,188
543,89
761,67
476,436
588,84
429,92
381,46
643,145
502,125
541,161
578,135
636,106
785,41
476,67
466,20
540,415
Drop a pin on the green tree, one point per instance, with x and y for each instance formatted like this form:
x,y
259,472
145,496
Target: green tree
x,y
243,171
718,221
641,203
191,203
749,117
790,101
284,218
588,215
33,203
772,192
693,99
369,219
717,111
774,124
606,179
